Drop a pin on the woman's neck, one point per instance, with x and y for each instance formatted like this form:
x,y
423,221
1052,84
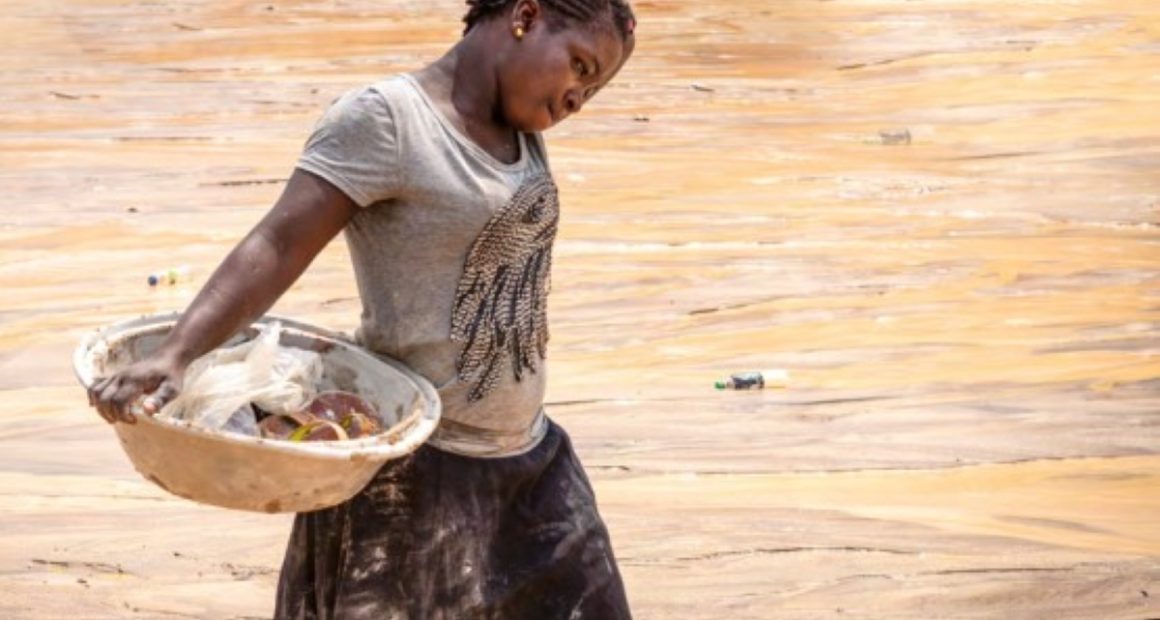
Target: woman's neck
x,y
462,83
464,77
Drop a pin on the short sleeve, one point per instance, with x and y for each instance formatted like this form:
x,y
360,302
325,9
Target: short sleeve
x,y
355,147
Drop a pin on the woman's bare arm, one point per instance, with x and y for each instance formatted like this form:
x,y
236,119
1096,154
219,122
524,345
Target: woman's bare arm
x,y
252,277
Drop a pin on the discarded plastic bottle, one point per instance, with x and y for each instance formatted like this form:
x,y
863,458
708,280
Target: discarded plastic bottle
x,y
169,276
755,380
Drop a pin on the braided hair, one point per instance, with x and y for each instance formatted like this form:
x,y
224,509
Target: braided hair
x,y
580,11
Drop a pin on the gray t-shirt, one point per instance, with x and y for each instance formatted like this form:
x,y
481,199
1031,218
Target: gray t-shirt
x,y
452,254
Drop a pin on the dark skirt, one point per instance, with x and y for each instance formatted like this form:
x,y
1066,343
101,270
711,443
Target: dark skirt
x,y
438,536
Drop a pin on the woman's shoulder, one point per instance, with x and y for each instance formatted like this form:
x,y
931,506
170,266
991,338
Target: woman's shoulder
x,y
389,105
387,92
391,87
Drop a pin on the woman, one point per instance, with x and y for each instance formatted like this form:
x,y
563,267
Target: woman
x,y
440,181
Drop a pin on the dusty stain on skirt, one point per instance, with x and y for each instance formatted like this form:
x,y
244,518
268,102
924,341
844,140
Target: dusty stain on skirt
x,y
437,536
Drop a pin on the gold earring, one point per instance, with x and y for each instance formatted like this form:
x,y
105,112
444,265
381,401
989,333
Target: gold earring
x,y
519,32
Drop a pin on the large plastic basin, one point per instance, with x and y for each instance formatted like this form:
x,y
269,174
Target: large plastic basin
x,y
252,473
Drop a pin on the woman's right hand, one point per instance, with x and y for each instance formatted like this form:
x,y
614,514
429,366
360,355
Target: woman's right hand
x,y
157,379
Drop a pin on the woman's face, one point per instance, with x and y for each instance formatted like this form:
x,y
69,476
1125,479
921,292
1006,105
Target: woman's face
x,y
551,74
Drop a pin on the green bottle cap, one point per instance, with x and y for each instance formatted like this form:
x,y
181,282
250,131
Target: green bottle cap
x,y
720,385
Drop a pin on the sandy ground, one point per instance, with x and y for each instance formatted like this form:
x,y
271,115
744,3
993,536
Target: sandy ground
x,y
942,217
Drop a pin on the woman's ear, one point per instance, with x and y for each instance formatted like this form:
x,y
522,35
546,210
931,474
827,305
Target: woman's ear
x,y
525,15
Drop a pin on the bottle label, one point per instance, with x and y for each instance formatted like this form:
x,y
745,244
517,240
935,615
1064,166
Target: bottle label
x,y
747,381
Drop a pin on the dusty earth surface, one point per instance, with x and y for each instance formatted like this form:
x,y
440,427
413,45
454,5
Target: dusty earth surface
x,y
943,218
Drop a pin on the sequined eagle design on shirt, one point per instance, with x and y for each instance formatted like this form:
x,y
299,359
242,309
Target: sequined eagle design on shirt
x,y
500,314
